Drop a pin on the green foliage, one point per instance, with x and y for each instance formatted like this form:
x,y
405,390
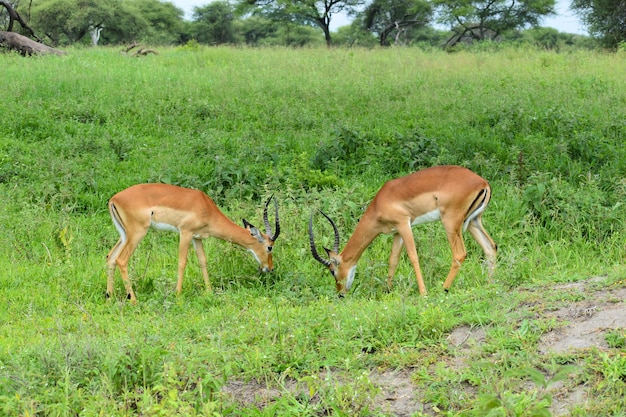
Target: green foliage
x,y
503,400
616,338
591,215
605,20
321,129
385,17
213,23
475,20
70,21
165,22
350,150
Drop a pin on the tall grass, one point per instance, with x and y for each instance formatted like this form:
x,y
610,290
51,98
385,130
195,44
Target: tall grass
x,y
320,129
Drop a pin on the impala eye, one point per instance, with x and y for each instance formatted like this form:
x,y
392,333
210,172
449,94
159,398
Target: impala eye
x,y
269,248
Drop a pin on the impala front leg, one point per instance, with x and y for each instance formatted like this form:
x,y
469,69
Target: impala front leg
x,y
183,249
197,245
407,236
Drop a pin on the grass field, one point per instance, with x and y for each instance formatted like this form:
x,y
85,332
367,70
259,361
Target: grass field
x,y
319,129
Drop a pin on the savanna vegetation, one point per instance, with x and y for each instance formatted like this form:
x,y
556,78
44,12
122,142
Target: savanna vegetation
x,y
319,129
296,23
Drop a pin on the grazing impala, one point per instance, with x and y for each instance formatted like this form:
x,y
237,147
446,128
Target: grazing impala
x,y
193,215
453,194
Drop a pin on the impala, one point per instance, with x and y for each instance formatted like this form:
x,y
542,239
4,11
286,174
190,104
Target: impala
x,y
453,194
193,215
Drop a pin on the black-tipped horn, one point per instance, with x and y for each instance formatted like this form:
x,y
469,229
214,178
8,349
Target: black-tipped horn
x,y
268,228
332,223
316,255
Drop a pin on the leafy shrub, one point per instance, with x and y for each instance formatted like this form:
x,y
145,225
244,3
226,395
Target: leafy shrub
x,y
309,178
409,152
348,147
565,213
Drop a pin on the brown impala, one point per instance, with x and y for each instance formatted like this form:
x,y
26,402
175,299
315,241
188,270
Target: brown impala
x,y
193,215
453,194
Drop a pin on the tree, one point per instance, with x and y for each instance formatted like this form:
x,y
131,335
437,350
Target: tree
x,y
384,17
257,30
69,21
355,34
213,23
307,12
165,23
17,42
605,20
489,19
109,21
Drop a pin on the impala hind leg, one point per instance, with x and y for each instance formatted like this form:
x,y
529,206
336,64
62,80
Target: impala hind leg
x,y
459,253
121,260
111,258
394,258
481,236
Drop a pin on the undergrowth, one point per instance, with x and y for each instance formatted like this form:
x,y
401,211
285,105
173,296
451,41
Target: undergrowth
x,y
319,129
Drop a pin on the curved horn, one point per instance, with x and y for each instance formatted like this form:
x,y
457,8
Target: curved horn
x,y
316,255
332,223
268,228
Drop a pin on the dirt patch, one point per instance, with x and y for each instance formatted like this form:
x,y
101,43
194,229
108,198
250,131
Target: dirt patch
x,y
397,397
586,322
253,393
583,325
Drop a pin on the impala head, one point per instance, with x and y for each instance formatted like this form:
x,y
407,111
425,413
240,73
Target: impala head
x,y
264,245
342,273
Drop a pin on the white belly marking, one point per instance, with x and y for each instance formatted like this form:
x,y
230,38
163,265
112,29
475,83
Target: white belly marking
x,y
164,226
431,216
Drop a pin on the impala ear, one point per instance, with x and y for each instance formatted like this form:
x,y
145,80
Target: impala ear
x,y
256,233
333,257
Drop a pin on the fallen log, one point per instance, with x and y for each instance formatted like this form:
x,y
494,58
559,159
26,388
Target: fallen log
x,y
26,46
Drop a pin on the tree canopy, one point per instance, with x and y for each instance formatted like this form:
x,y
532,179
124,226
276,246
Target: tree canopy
x,y
385,17
213,23
481,20
317,13
605,20
308,22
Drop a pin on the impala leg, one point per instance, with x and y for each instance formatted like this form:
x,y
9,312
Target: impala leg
x,y
481,236
111,258
197,245
407,237
183,249
396,249
459,253
126,251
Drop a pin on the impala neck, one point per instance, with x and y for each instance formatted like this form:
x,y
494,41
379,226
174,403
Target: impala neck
x,y
365,232
230,231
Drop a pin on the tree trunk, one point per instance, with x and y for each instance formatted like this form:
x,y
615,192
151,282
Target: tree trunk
x,y
25,46
22,44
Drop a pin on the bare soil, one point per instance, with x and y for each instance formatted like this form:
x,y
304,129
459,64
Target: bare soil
x,y
581,325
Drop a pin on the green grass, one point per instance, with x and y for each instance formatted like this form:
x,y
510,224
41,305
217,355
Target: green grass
x,y
319,129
